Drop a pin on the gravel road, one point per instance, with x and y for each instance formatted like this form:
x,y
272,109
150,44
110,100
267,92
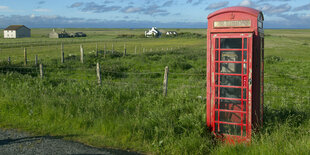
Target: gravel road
x,y
16,142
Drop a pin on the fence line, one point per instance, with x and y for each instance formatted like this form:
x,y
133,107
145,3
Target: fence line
x,y
91,72
73,52
138,73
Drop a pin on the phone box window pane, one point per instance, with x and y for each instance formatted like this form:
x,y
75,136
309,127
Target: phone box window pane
x,y
231,43
229,80
231,55
233,68
230,92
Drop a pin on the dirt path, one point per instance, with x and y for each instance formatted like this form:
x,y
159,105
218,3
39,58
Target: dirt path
x,y
15,142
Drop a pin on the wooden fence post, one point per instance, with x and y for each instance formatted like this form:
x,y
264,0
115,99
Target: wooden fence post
x,y
105,47
136,49
25,56
125,50
41,71
104,50
82,53
9,60
112,48
62,53
98,74
96,49
166,81
36,60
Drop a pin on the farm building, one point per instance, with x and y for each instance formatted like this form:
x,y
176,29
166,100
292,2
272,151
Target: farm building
x,y
16,31
152,32
171,33
62,34
78,34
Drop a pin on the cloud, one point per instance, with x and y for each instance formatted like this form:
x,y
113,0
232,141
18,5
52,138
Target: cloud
x,y
303,7
246,3
151,9
65,22
267,8
41,2
272,10
76,5
94,7
168,3
291,21
132,9
41,10
108,2
217,5
37,21
154,10
198,2
4,8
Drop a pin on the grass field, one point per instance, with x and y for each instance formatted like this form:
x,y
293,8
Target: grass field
x,y
128,111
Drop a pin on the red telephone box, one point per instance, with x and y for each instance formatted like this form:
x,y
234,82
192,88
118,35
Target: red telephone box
x,y
235,73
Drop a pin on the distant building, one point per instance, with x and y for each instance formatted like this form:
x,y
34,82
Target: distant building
x,y
54,34
64,34
78,34
16,31
171,33
152,32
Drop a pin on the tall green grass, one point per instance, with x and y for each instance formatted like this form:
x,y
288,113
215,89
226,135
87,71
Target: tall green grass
x,y
128,110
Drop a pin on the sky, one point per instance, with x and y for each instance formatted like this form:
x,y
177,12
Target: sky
x,y
144,13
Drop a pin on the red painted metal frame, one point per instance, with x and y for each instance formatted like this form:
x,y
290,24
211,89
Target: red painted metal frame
x,y
255,53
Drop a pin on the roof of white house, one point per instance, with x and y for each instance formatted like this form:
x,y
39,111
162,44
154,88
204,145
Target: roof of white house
x,y
154,30
15,27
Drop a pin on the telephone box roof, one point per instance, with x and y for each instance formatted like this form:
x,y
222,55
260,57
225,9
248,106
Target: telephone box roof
x,y
242,9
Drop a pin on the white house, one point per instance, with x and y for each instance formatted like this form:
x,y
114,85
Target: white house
x,y
17,31
152,32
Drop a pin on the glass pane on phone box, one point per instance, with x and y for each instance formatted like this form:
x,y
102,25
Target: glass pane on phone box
x,y
231,55
229,80
230,92
234,68
230,129
230,105
231,43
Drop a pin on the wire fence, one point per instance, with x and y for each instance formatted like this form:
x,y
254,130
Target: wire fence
x,y
62,51
89,74
180,80
152,79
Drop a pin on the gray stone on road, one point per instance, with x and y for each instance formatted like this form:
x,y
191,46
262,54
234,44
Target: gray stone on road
x,y
16,142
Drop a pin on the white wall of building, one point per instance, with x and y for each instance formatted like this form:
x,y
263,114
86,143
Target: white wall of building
x,y
9,34
19,33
